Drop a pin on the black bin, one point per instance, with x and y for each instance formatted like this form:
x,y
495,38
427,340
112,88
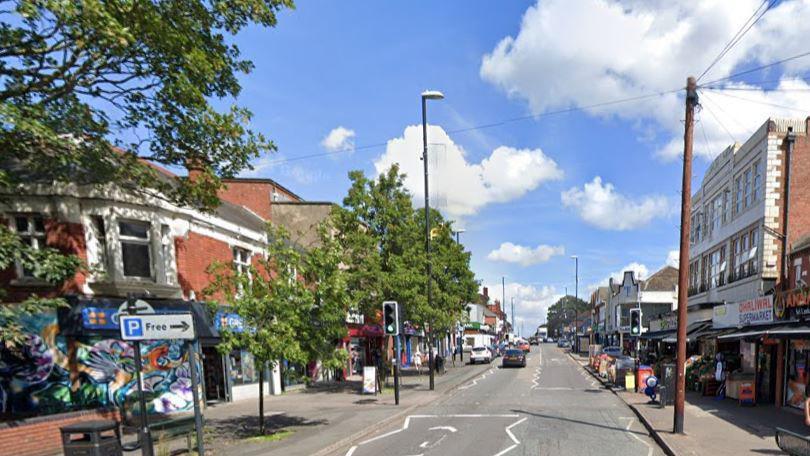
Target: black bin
x,y
667,382
92,438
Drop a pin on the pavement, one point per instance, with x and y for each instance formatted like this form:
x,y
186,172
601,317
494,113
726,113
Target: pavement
x,y
550,407
711,426
318,419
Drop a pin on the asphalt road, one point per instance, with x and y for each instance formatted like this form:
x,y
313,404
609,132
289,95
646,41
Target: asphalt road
x,y
550,407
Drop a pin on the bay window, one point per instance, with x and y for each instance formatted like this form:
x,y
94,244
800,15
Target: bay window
x,y
135,248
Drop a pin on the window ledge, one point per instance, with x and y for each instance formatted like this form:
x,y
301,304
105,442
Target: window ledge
x,y
122,287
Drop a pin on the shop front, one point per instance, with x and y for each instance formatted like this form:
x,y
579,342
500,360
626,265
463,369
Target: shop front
x,y
362,342
792,308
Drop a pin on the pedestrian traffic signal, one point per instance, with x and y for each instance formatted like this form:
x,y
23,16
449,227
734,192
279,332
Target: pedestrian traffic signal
x,y
391,318
635,322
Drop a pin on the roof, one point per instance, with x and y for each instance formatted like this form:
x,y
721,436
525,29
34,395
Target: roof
x,y
664,280
263,180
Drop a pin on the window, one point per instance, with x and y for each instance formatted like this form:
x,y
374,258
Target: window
x,y
716,213
747,188
753,239
241,260
135,249
100,235
797,272
756,193
697,225
726,206
738,200
31,230
716,267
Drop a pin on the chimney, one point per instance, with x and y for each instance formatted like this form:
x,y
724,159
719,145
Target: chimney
x,y
486,292
194,168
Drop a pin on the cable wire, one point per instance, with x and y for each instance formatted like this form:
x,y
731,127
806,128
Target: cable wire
x,y
765,103
723,111
734,140
759,68
489,125
739,35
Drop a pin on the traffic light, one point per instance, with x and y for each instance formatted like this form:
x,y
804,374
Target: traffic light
x,y
635,322
391,318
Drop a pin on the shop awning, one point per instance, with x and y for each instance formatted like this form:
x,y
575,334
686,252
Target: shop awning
x,y
692,332
657,335
774,331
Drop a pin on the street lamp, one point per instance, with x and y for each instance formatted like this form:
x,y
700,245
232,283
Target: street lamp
x,y
458,232
576,299
428,95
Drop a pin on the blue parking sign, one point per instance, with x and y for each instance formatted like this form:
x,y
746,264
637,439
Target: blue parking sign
x,y
133,327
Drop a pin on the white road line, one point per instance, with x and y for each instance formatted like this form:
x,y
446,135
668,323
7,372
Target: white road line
x,y
511,436
351,451
387,434
446,428
630,424
554,388
507,450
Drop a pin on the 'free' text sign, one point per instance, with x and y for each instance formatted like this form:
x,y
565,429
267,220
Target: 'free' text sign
x,y
157,326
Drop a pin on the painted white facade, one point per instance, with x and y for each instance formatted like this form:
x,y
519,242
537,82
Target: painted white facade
x,y
733,206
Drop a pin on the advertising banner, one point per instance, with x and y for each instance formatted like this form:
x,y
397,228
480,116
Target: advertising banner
x,y
369,380
750,312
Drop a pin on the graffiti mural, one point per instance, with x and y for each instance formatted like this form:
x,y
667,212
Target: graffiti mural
x,y
52,374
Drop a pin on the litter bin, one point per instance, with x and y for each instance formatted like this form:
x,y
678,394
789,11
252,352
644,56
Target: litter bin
x,y
96,438
439,360
667,382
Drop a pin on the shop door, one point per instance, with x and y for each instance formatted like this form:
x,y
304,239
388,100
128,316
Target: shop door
x,y
766,374
214,373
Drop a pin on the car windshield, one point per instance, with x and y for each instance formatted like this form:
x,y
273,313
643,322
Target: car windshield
x,y
479,349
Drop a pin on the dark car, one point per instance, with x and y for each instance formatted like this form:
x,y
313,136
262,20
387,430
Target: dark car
x,y
514,357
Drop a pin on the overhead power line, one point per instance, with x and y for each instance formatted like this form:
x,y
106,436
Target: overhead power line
x,y
759,68
488,125
744,28
765,103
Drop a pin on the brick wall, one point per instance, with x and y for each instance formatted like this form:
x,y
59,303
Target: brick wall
x,y
799,210
40,436
252,195
194,255
66,237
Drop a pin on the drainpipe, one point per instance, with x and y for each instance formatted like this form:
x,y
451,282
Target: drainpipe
x,y
791,139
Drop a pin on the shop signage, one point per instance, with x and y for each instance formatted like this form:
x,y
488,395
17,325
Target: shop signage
x,y
750,312
664,324
792,304
229,321
369,380
157,327
107,317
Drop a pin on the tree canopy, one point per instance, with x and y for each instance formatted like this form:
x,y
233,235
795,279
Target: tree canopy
x,y
90,87
561,313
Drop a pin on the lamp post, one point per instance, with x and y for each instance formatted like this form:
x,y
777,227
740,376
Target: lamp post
x,y
576,299
458,232
428,95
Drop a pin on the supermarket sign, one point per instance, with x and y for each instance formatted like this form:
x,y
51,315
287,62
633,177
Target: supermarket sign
x,y
750,312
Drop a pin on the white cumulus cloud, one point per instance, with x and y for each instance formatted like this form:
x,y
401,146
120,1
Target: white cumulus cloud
x,y
615,49
602,206
339,139
462,187
673,258
525,256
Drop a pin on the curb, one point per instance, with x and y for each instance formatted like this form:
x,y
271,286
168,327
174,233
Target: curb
x,y
387,421
653,433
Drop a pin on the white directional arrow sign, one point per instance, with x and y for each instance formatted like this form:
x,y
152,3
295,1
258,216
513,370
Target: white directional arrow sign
x,y
157,326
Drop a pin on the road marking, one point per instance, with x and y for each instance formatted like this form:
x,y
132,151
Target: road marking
x,y
475,380
446,428
629,425
407,422
511,436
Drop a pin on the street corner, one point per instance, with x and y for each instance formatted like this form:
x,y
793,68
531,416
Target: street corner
x,y
454,434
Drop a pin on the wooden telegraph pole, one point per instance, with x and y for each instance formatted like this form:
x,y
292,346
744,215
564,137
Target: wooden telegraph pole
x,y
683,263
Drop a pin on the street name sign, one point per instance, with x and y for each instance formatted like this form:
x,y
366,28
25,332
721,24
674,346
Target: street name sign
x,y
157,326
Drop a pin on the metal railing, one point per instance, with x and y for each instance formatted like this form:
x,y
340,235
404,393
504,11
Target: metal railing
x,y
792,443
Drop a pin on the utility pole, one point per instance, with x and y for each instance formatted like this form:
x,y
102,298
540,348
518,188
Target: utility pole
x,y
683,263
576,302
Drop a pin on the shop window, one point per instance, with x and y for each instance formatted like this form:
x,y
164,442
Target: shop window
x,y
293,373
31,230
135,249
797,372
243,368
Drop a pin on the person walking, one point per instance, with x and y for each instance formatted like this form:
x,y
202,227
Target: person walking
x,y
417,361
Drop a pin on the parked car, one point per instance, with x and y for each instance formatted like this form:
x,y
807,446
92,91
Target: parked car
x,y
514,357
480,355
523,345
612,351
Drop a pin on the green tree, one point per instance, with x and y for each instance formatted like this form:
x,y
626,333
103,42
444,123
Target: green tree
x,y
79,76
561,313
46,264
293,304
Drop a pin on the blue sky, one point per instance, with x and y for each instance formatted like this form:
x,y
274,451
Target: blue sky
x,y
362,65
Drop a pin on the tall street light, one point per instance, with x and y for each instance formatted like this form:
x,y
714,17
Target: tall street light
x,y
576,301
458,232
428,95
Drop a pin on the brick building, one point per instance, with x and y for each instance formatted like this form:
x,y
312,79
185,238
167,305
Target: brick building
x,y
131,243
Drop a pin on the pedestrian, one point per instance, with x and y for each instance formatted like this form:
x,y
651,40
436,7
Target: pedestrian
x,y
417,361
720,376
